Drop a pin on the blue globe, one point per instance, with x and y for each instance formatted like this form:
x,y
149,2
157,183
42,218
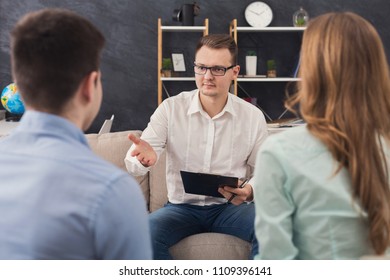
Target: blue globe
x,y
11,100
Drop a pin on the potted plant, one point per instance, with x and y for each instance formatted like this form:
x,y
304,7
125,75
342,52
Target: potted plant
x,y
251,63
166,69
271,68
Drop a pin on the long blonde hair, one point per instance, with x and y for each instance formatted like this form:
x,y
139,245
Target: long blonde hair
x,y
344,96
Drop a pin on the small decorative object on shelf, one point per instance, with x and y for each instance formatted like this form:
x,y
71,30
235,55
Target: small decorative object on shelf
x,y
178,62
251,63
166,70
186,14
271,68
300,18
12,102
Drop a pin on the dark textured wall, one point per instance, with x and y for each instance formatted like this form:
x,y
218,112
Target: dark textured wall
x,y
129,63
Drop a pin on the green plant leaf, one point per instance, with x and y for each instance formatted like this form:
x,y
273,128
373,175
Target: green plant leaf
x,y
167,63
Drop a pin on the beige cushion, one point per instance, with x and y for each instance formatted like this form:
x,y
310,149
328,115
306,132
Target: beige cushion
x,y
375,257
113,148
158,184
213,246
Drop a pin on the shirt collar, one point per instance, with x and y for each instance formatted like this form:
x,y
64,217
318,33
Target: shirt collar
x,y
40,122
196,106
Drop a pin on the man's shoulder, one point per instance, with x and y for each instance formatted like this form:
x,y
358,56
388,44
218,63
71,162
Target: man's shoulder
x,y
181,101
297,141
246,108
238,101
99,167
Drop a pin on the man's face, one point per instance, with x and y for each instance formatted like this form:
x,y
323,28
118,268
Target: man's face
x,y
209,84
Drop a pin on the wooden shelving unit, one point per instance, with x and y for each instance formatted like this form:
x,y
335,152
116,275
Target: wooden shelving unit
x,y
204,29
234,30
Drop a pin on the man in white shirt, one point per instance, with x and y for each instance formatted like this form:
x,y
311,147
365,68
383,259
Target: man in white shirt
x,y
206,130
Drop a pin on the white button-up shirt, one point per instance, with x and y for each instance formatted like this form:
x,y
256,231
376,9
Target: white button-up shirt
x,y
226,144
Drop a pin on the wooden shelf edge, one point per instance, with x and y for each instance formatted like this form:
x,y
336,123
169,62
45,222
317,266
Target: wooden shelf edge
x,y
265,79
270,29
177,79
183,28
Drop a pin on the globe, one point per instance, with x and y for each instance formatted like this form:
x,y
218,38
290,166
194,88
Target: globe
x,y
11,100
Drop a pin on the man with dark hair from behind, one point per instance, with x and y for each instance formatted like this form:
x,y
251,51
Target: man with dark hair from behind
x,y
58,199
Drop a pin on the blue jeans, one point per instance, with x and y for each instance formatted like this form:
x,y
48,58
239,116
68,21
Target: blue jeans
x,y
173,222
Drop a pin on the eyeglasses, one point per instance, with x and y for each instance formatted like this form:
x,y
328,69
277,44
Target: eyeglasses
x,y
215,70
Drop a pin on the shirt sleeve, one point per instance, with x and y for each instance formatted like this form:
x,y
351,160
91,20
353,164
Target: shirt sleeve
x,y
121,223
155,134
274,205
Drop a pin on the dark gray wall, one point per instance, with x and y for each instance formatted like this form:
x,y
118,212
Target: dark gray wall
x,y
129,60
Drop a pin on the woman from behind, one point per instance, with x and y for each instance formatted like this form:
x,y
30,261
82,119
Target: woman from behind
x,y
322,190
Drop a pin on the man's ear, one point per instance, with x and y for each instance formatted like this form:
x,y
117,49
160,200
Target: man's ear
x,y
89,85
236,71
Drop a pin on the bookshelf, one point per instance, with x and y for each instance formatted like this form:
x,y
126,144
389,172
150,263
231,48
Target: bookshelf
x,y
235,30
204,30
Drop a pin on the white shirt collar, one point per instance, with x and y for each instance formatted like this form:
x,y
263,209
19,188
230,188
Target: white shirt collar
x,y
196,106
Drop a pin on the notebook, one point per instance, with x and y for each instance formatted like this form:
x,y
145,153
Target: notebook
x,y
206,184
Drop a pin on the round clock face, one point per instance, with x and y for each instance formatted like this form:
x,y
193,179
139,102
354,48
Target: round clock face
x,y
258,14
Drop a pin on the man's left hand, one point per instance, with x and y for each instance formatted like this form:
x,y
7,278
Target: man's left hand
x,y
239,195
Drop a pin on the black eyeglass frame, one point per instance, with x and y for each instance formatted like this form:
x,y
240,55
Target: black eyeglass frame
x,y
213,67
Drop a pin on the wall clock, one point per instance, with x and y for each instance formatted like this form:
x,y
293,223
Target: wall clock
x,y
258,14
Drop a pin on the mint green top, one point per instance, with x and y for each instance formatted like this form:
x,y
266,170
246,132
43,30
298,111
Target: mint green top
x,y
303,210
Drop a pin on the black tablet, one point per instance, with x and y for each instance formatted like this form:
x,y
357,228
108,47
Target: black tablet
x,y
206,184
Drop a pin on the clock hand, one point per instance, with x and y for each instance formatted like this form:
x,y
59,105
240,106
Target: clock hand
x,y
254,12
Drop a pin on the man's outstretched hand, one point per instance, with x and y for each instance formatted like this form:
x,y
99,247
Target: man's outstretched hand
x,y
143,151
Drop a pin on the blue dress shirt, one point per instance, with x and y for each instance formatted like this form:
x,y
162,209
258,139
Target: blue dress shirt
x,y
304,210
60,201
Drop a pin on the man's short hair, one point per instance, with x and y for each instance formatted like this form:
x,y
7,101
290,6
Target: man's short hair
x,y
52,52
219,41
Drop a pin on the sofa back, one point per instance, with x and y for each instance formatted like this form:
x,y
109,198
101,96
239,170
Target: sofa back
x,y
112,146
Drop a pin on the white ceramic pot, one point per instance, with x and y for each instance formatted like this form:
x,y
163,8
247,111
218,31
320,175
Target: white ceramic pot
x,y
251,65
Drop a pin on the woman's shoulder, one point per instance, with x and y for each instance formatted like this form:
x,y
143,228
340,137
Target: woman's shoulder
x,y
294,139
